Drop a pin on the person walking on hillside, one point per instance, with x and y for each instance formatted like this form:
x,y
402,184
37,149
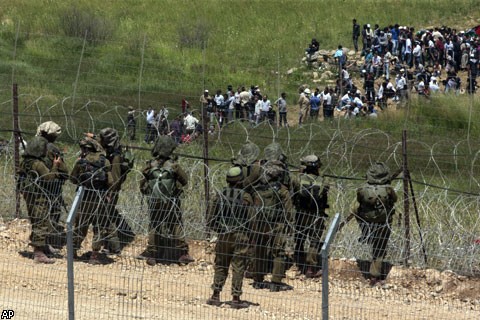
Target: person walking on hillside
x,y
374,214
231,216
282,109
32,176
163,181
355,34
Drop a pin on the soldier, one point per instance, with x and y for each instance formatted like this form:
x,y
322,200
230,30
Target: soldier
x,y
163,180
34,176
91,172
310,200
231,216
274,219
374,214
121,163
57,239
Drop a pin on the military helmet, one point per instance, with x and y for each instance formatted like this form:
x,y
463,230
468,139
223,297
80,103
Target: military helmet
x,y
164,146
234,174
311,161
378,173
49,128
274,152
109,138
247,154
91,144
37,147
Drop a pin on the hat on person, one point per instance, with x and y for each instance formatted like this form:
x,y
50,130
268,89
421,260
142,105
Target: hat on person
x,y
307,91
378,173
206,91
247,155
49,128
130,108
234,174
368,25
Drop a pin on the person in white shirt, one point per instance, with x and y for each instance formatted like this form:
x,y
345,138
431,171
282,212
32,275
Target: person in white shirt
x,y
433,85
150,130
401,86
408,51
417,54
258,109
387,57
190,123
266,106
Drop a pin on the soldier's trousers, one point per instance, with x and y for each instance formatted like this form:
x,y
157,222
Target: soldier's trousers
x,y
38,209
231,249
376,234
269,244
308,225
92,211
166,230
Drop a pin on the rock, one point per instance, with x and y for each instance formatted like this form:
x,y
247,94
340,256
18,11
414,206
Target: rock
x,y
292,70
315,75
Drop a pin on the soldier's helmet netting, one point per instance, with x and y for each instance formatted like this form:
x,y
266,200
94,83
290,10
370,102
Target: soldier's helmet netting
x,y
164,146
274,152
49,128
378,173
311,161
247,154
90,144
109,138
37,147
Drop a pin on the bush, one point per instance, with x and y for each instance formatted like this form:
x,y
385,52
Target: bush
x,y
75,22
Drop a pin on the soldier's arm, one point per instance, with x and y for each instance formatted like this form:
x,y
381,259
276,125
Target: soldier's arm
x,y
180,174
144,181
110,181
393,195
44,172
75,174
116,172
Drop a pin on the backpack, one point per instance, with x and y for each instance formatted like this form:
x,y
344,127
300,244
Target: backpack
x,y
93,173
376,204
230,212
162,183
310,197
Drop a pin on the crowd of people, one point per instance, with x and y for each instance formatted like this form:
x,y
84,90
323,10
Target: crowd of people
x,y
265,219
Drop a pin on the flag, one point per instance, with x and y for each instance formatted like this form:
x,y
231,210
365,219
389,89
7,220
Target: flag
x,y
475,31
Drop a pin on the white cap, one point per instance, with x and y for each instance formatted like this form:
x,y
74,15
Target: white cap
x,y
368,25
206,91
307,91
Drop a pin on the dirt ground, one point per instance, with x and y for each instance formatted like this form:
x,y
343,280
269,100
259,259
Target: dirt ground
x,y
129,289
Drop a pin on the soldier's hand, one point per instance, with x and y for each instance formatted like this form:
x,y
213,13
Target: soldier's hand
x,y
57,160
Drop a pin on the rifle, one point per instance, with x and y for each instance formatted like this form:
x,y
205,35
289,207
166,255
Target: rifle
x,y
342,224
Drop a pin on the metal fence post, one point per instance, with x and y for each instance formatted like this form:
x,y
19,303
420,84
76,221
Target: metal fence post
x,y
71,286
325,248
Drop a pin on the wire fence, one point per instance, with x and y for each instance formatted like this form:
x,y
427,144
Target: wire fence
x,y
431,270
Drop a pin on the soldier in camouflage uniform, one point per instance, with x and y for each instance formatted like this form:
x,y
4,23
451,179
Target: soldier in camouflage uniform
x,y
274,219
57,239
231,216
163,180
91,172
375,212
34,178
119,168
310,200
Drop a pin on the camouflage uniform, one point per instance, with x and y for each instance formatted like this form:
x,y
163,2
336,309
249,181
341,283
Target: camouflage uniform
x,y
110,141
34,175
230,215
166,221
375,212
274,218
310,200
53,188
93,208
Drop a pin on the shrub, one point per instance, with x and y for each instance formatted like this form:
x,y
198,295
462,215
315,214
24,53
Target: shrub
x,y
75,22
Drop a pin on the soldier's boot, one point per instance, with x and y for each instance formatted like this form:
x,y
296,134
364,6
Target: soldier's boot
x,y
239,304
40,257
375,271
185,259
95,258
214,300
310,273
279,286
